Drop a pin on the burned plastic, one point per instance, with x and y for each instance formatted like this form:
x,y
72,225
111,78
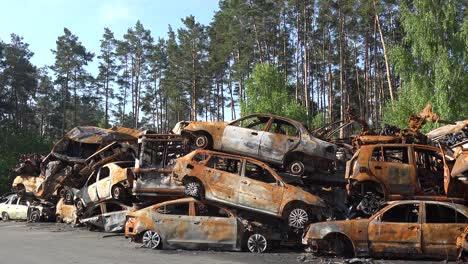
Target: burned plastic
x,y
107,216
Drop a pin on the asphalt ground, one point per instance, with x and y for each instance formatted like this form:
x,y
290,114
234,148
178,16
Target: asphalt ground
x,y
50,243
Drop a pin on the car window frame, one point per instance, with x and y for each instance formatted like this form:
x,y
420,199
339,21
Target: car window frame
x,y
447,206
279,181
298,130
265,129
378,216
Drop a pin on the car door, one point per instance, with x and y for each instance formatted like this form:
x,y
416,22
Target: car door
x,y
10,208
442,225
222,175
103,183
281,138
393,166
259,189
214,227
396,231
173,222
113,215
21,209
243,136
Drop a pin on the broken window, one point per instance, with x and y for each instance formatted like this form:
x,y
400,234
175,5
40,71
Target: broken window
x,y
439,214
200,157
14,200
113,207
253,122
91,179
103,173
255,172
284,128
174,209
390,154
430,170
402,213
209,210
226,164
24,202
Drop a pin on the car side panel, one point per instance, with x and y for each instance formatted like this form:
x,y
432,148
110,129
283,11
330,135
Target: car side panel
x,y
241,140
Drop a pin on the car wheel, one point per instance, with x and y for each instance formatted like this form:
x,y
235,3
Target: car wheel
x,y
296,167
194,189
58,219
79,206
34,217
62,192
68,197
339,245
298,217
151,239
5,216
118,192
202,141
257,243
371,203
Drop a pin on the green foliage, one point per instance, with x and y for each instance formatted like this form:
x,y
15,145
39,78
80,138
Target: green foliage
x,y
12,145
432,61
266,92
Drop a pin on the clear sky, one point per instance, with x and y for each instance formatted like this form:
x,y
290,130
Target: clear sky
x,y
40,22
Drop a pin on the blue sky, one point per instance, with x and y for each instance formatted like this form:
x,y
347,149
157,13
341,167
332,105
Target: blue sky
x,y
40,22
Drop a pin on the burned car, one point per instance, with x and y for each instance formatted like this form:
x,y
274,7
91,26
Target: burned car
x,y
15,207
399,171
246,183
66,213
192,224
41,211
107,216
462,245
411,228
277,140
110,181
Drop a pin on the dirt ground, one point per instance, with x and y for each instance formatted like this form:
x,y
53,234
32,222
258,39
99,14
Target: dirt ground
x,y
50,243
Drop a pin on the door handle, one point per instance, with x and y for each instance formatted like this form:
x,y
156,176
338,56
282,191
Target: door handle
x,y
196,223
245,182
378,167
254,133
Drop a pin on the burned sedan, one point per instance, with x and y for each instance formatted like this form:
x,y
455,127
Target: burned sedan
x,y
107,216
248,184
192,224
281,141
412,228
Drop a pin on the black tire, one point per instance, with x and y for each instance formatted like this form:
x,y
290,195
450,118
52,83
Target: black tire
x,y
194,188
62,192
297,216
151,239
5,216
35,217
68,197
257,243
79,206
339,245
202,141
118,192
296,167
20,190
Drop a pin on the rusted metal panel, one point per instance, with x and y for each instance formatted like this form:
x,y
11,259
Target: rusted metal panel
x,y
66,213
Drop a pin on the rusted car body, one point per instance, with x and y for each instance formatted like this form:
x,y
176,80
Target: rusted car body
x,y
188,223
15,207
41,211
245,183
277,140
397,171
109,181
28,184
402,229
66,213
462,245
107,216
79,152
154,163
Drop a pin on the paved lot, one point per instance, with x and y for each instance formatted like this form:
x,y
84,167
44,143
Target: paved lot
x,y
50,243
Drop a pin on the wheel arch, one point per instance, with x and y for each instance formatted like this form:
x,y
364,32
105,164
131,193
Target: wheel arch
x,y
342,236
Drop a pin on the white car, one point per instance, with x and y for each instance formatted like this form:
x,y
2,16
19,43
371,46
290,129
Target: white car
x,y
14,207
110,181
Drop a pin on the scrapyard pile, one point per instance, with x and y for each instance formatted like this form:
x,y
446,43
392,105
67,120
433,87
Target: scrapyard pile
x,y
258,182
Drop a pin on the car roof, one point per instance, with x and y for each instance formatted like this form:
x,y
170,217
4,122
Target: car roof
x,y
191,199
297,123
229,155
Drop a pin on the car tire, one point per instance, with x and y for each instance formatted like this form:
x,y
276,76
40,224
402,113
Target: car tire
x,y
118,192
296,167
35,217
257,243
339,245
68,197
5,216
151,239
58,219
298,217
62,192
202,141
79,206
20,190
194,188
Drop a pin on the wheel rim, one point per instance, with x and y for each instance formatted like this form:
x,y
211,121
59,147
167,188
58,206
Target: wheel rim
x,y
296,168
370,203
116,193
34,217
151,239
257,243
79,206
298,218
191,189
201,141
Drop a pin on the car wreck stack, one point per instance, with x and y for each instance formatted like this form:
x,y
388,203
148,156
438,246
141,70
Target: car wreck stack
x,y
257,182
